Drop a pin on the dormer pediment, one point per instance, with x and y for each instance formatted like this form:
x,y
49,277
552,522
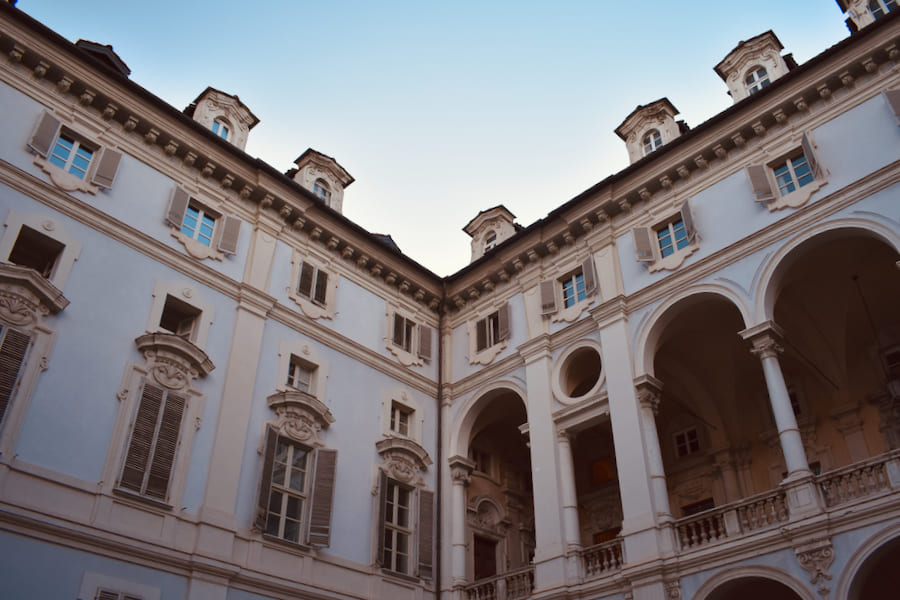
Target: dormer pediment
x,y
648,127
223,114
753,65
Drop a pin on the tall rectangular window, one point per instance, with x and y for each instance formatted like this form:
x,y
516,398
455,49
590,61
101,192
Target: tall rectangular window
x,y
400,418
403,332
13,347
313,283
397,527
287,495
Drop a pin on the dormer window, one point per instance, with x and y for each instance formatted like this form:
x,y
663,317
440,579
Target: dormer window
x,y
880,8
321,189
652,141
490,241
756,79
220,129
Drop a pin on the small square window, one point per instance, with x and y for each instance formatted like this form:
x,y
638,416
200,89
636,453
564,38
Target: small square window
x,y
400,418
793,173
35,250
220,129
573,289
300,374
71,154
687,442
321,189
671,237
756,79
198,224
180,318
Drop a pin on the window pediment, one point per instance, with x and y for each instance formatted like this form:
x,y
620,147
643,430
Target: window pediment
x,y
404,459
173,361
301,416
25,295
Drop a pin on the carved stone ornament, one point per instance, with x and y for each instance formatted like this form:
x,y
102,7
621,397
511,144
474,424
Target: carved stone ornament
x,y
404,459
487,515
301,416
649,392
673,590
25,296
173,361
461,470
816,558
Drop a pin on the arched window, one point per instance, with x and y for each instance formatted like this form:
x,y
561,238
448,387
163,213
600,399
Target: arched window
x,y
321,189
757,78
652,141
490,241
220,128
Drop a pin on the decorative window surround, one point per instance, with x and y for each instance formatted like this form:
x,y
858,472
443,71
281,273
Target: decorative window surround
x,y
568,365
103,163
222,240
26,338
409,340
319,300
489,334
170,366
405,401
186,294
49,227
765,183
551,293
647,242
92,583
307,354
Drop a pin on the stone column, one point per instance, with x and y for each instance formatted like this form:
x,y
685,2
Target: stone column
x,y
460,472
766,338
568,492
649,392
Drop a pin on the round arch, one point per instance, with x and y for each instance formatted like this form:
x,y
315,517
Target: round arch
x,y
776,266
847,578
712,585
461,431
647,339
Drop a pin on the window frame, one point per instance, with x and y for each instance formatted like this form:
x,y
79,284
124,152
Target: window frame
x,y
93,583
406,401
691,446
322,190
304,352
551,295
50,227
647,245
491,331
754,82
221,128
651,141
764,183
407,338
186,294
319,301
882,8
225,233
419,532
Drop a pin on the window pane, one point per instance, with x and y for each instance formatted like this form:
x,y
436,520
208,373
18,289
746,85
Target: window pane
x,y
292,531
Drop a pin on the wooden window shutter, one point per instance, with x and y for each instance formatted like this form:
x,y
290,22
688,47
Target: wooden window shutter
x,y
503,322
321,287
142,434
322,498
548,297
178,204
810,154
480,335
382,501
106,595
166,446
893,100
107,167
424,341
12,355
398,330
687,217
304,288
265,482
590,277
644,244
426,533
759,181
231,229
44,134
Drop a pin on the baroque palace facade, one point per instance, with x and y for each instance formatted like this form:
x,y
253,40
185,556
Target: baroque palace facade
x,y
682,383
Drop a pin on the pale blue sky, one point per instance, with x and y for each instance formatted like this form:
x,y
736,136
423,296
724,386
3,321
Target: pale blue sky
x,y
440,110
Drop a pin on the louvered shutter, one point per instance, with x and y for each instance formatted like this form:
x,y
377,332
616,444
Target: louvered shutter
x,y
178,204
321,286
480,335
265,482
166,446
228,240
426,533
398,330
12,355
107,167
893,100
810,155
548,297
44,134
503,322
424,342
304,288
142,434
382,501
590,277
106,595
759,181
644,244
687,217
322,498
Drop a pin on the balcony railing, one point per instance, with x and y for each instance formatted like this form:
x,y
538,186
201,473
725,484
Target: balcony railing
x,y
506,586
861,480
602,559
732,520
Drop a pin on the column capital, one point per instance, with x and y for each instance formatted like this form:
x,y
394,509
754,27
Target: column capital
x,y
460,469
649,391
765,339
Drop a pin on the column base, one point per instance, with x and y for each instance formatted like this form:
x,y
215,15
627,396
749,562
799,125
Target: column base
x,y
804,499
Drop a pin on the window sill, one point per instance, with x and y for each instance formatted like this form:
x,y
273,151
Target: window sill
x,y
197,249
143,500
798,197
272,541
674,260
63,179
401,576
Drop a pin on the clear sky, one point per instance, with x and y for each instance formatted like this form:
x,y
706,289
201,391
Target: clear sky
x,y
442,109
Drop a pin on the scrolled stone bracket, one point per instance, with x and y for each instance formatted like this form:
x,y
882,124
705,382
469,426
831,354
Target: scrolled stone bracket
x,y
816,558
